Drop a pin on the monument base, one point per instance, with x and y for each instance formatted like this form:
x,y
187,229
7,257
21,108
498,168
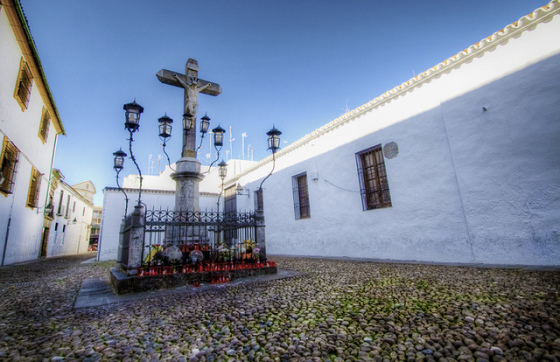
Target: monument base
x,y
123,284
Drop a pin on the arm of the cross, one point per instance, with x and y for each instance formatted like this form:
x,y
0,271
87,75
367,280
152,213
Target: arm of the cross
x,y
169,77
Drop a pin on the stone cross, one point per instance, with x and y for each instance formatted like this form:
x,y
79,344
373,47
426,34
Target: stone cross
x,y
192,86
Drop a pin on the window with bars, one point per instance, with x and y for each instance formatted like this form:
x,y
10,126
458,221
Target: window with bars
x,y
60,211
23,85
44,128
67,214
34,188
374,186
301,196
10,156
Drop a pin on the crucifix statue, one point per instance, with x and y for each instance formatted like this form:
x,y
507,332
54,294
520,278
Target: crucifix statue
x,y
187,173
192,86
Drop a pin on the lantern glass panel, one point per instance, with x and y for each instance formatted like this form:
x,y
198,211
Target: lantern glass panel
x,y
165,130
204,123
119,162
222,169
218,139
188,122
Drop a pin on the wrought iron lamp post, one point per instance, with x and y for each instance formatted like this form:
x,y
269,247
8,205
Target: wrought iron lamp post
x,y
165,133
218,143
273,145
240,191
188,124
222,172
118,165
132,123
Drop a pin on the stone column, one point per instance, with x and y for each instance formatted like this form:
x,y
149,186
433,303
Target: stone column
x,y
187,177
136,240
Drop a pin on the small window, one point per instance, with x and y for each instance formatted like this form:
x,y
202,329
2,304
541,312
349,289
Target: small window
x,y
34,188
374,186
60,211
301,196
84,211
23,85
67,215
44,127
10,155
74,207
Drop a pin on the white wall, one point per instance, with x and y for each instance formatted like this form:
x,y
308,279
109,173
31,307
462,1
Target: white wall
x,y
114,208
467,186
21,226
69,234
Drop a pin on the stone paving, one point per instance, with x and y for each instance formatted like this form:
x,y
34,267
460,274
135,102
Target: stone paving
x,y
335,310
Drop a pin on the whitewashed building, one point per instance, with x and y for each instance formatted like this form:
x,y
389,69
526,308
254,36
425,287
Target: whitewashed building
x,y
71,218
459,164
29,128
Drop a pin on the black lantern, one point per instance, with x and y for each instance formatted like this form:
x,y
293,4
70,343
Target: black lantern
x,y
218,136
274,139
188,122
165,127
240,190
204,123
222,169
119,160
132,115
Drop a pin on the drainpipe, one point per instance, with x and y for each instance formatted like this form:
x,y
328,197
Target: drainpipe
x,y
50,173
8,226
46,203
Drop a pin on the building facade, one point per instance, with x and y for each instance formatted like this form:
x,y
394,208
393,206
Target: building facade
x,y
70,226
95,228
460,164
29,128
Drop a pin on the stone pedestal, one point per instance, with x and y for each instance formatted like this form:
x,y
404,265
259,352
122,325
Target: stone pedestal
x,y
187,177
132,242
123,284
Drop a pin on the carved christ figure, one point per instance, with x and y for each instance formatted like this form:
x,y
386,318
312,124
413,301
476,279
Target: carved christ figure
x,y
191,94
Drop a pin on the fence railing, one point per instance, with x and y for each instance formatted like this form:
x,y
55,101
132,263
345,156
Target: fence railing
x,y
190,240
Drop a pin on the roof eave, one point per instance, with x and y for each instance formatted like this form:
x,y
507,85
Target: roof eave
x,y
17,19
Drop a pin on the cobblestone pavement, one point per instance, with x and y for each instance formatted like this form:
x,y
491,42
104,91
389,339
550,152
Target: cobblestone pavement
x,y
339,310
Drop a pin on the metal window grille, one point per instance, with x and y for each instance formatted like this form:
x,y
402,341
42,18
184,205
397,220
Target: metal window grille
x,y
24,85
301,196
10,158
374,186
44,129
60,211
67,215
34,188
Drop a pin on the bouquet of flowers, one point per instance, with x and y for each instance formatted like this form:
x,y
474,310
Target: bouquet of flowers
x,y
249,245
224,252
256,252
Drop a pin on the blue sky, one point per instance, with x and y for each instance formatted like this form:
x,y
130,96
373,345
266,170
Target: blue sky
x,y
296,64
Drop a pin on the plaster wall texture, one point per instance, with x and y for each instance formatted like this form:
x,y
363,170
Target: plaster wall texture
x,y
21,226
69,233
467,186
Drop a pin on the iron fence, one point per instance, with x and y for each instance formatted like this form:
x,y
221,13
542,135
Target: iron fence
x,y
189,241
